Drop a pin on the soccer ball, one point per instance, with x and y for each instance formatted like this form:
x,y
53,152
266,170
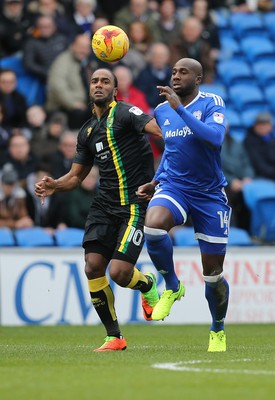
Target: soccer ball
x,y
110,43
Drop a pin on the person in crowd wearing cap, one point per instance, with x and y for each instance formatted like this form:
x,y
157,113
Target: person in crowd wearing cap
x,y
13,211
260,145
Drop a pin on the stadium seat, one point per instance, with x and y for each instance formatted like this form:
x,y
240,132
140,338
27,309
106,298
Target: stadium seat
x,y
33,237
69,237
218,89
245,24
233,118
266,209
6,237
239,237
264,72
245,96
268,20
184,237
256,49
234,71
258,194
230,48
238,134
269,93
14,63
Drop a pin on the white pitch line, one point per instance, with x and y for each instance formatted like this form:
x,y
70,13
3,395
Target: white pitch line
x,y
183,366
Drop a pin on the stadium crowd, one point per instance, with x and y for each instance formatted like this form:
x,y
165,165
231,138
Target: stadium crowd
x,y
49,42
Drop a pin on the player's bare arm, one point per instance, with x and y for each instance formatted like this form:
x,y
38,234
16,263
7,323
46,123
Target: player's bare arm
x,y
153,128
48,185
170,96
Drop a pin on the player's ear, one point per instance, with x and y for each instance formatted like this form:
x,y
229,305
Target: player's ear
x,y
115,92
199,79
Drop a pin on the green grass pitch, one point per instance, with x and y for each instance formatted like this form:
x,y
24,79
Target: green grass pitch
x,y
161,362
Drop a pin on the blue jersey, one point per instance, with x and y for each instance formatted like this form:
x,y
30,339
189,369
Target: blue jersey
x,y
193,137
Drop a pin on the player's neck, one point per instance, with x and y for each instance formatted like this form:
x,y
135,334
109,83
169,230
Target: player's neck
x,y
185,100
100,110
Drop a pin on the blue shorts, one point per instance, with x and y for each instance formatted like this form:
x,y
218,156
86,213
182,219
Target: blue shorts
x,y
209,212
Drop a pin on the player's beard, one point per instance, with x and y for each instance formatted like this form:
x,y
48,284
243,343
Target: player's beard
x,y
101,101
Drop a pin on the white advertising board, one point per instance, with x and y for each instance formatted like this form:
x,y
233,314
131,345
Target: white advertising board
x,y
48,286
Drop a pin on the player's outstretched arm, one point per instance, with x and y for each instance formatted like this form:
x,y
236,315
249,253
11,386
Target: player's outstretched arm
x,y
47,186
153,128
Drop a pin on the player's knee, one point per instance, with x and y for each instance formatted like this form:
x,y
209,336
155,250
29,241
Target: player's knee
x,y
92,269
119,276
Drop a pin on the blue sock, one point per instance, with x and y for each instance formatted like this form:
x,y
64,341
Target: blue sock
x,y
217,295
160,250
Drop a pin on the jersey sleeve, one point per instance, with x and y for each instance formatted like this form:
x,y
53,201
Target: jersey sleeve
x,y
212,129
134,117
83,155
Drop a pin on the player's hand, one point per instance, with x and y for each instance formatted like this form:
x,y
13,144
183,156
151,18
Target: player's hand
x,y
146,191
170,95
46,187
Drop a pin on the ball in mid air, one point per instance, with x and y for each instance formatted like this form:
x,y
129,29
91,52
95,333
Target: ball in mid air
x,y
110,43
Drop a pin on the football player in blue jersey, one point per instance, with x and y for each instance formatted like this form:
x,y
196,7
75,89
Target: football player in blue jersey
x,y
190,182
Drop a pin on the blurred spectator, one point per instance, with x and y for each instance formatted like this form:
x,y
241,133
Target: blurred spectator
x,y
266,5
242,6
238,171
95,62
4,133
169,24
138,10
191,44
109,8
54,9
260,145
36,117
13,210
140,37
210,31
50,215
62,159
20,156
41,49
14,25
127,91
68,82
79,200
157,72
46,142
14,102
84,16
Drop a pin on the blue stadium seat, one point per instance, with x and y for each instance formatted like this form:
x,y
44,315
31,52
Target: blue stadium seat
x,y
238,134
6,237
245,96
33,237
69,237
14,63
239,237
230,48
266,210
264,72
218,89
258,194
244,24
256,49
233,118
268,20
184,237
269,93
234,71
